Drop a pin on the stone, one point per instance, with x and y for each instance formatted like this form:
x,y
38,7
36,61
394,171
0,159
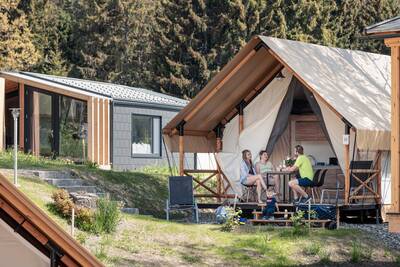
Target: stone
x,y
130,210
84,199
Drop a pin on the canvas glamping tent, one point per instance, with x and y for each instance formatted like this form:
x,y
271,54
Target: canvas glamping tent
x,y
324,93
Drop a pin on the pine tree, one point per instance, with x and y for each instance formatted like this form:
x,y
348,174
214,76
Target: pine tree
x,y
95,39
181,44
354,16
137,25
51,26
17,52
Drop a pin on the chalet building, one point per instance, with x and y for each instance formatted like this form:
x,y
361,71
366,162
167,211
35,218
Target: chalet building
x,y
113,125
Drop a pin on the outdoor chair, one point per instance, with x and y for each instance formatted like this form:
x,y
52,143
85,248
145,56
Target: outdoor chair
x,y
180,196
315,181
318,183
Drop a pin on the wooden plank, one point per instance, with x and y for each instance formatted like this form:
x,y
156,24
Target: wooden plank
x,y
219,85
379,177
303,118
346,152
68,261
309,131
181,156
200,171
269,76
96,130
21,220
44,224
22,115
395,121
90,127
2,113
215,196
36,125
107,132
101,132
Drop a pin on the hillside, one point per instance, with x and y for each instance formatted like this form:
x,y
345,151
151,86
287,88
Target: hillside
x,y
147,241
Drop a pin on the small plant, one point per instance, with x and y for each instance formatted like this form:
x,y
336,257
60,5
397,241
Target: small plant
x,y
91,164
355,252
81,238
107,216
299,227
232,219
313,249
324,257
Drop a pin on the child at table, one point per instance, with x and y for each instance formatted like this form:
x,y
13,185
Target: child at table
x,y
272,204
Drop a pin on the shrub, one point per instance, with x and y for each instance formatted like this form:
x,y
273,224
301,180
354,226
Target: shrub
x,y
299,227
84,218
232,219
107,216
63,202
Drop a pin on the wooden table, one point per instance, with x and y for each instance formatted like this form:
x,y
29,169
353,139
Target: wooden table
x,y
288,174
283,174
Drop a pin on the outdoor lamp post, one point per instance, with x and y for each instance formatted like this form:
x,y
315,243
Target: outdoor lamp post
x,y
15,113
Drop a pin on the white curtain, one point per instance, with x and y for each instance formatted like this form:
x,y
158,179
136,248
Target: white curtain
x,y
259,117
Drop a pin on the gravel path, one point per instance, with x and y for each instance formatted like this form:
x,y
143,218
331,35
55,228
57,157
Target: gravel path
x,y
379,232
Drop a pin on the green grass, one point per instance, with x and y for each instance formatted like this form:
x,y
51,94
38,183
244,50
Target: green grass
x,y
145,189
147,241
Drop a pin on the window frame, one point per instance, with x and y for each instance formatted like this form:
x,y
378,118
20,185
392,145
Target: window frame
x,y
153,155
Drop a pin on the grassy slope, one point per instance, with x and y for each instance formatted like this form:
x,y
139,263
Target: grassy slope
x,y
146,241
145,190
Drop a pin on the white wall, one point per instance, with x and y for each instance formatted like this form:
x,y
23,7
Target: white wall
x,y
321,150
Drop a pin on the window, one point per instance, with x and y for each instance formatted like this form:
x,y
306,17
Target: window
x,y
146,136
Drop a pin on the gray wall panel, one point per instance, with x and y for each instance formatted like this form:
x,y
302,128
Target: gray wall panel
x,y
122,119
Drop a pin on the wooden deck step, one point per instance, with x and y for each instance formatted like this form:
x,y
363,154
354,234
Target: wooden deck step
x,y
276,212
322,223
258,214
287,205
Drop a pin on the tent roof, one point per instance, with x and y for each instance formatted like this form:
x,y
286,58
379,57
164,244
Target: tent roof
x,y
384,28
36,227
354,84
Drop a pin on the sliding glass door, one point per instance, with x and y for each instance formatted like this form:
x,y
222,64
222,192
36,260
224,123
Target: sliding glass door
x,y
55,125
73,128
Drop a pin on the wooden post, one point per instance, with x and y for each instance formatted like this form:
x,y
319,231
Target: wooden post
x,y
181,148
2,112
21,115
218,148
240,109
394,214
347,167
379,177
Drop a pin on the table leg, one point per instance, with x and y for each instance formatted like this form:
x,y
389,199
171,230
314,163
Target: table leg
x,y
290,190
284,188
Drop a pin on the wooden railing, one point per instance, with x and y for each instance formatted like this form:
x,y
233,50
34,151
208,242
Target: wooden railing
x,y
222,184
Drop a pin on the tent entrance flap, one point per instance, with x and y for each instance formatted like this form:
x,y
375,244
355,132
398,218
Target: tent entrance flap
x,y
298,110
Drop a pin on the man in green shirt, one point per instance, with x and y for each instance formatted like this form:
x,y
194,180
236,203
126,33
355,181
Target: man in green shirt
x,y
305,179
